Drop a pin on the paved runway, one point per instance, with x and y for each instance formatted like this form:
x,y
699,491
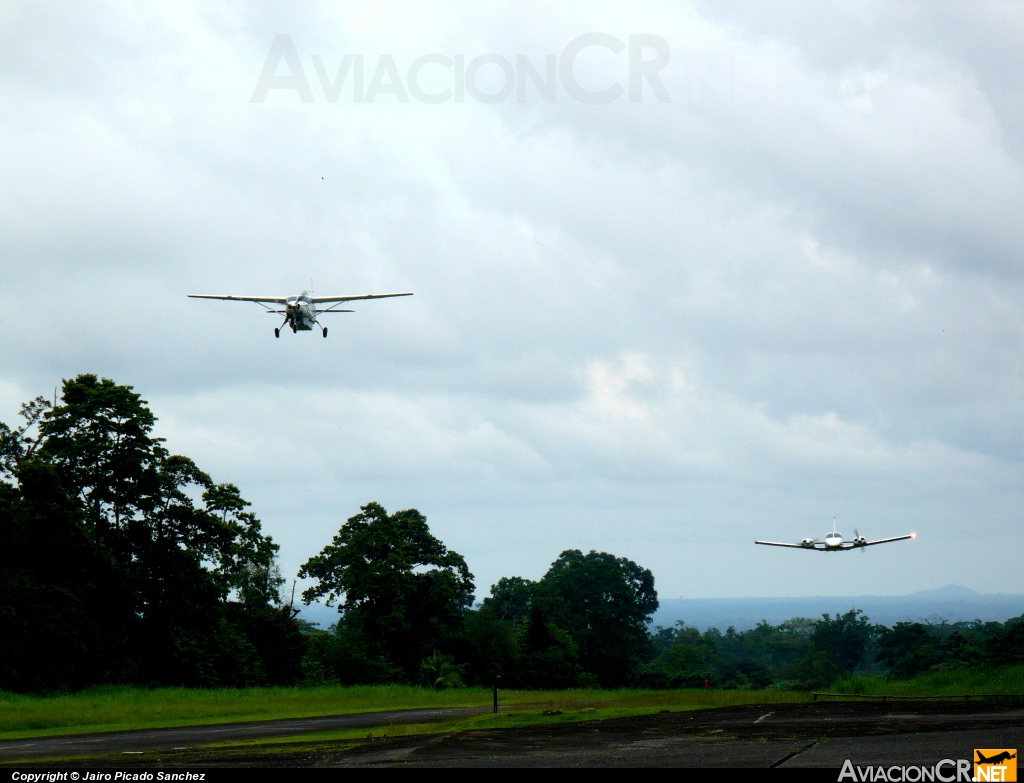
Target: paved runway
x,y
821,735
912,749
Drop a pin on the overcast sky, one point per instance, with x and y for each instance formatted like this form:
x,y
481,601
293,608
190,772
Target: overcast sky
x,y
785,287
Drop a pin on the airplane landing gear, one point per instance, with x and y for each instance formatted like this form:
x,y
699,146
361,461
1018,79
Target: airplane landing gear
x,y
277,332
325,331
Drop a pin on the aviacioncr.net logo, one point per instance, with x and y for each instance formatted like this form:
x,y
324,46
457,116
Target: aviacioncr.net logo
x,y
995,764
945,771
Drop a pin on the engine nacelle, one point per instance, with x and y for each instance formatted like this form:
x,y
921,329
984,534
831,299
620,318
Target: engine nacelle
x,y
860,541
807,542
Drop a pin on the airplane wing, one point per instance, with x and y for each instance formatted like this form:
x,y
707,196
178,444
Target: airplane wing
x,y
321,299
318,312
776,543
270,299
887,540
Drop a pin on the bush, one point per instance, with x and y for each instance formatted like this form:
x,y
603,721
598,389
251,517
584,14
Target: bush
x,y
440,672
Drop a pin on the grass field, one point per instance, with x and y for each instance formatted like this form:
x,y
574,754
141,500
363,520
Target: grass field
x,y
121,708
1009,679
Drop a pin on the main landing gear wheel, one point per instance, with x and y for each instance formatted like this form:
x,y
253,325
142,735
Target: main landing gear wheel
x,y
325,331
277,333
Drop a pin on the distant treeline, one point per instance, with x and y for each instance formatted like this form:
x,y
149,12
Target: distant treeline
x,y
123,563
805,654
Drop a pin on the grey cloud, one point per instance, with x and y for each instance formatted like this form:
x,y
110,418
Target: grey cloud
x,y
658,329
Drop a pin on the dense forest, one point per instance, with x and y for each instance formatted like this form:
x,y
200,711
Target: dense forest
x,y
124,563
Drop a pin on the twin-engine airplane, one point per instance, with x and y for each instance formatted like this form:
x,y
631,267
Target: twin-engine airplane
x,y
300,311
834,542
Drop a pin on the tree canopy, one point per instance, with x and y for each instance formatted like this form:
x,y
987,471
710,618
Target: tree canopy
x,y
605,604
126,563
113,568
396,584
510,598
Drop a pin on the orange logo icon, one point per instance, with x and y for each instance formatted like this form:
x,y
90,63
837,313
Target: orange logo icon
x,y
995,764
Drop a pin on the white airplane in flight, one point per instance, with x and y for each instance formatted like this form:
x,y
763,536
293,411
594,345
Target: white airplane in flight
x,y
300,312
834,542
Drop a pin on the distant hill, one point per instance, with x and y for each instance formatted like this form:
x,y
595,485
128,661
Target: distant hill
x,y
952,603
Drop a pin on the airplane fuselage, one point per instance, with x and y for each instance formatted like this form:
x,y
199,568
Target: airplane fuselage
x,y
833,542
301,312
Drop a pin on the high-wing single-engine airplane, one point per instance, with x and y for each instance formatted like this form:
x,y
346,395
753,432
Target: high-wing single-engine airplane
x,y
834,542
300,312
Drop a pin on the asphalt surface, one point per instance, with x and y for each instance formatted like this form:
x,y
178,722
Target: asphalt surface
x,y
919,748
821,735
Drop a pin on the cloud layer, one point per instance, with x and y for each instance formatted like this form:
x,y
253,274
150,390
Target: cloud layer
x,y
660,329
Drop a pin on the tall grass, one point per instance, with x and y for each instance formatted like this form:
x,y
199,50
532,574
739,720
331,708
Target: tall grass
x,y
940,682
117,708
110,708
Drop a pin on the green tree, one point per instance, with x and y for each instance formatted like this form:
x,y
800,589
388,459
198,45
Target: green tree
x,y
909,648
605,604
963,647
1006,647
761,657
843,638
17,445
105,546
100,441
65,606
396,584
686,662
246,559
489,646
814,670
900,640
548,658
510,598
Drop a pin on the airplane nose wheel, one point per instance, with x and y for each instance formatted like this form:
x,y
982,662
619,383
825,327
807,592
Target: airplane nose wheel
x,y
325,331
277,332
